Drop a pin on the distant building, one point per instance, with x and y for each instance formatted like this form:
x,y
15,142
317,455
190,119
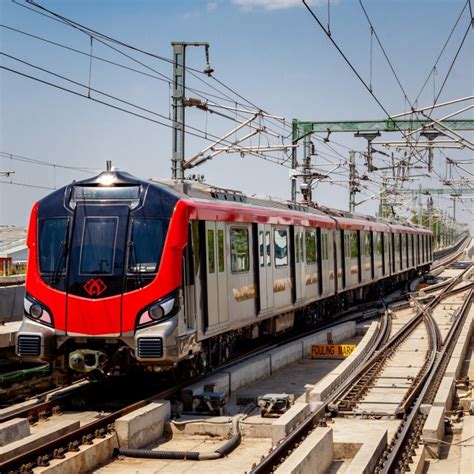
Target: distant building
x,y
13,249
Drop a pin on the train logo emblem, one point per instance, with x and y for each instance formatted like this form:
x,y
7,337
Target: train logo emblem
x,y
95,287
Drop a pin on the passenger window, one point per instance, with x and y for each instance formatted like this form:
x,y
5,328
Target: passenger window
x,y
310,237
220,249
239,248
210,251
297,247
326,246
354,250
261,249
301,247
368,249
281,247
267,246
378,243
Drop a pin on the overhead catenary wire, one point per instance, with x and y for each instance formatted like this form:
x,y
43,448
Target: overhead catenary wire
x,y
442,51
25,159
374,33
197,132
106,38
157,75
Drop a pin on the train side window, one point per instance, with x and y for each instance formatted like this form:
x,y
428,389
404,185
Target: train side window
x,y
297,247
324,245
261,249
267,246
310,238
378,243
210,251
367,246
301,247
239,248
220,249
353,237
281,247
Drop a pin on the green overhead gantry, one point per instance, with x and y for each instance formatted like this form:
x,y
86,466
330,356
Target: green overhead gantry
x,y
456,192
302,128
371,128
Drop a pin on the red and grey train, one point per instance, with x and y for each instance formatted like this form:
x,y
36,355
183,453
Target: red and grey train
x,y
124,272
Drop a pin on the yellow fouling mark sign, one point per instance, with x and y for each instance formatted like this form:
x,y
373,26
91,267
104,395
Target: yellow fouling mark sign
x,y
331,350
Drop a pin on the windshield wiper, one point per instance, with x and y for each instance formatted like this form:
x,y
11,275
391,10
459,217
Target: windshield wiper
x,y
136,271
62,252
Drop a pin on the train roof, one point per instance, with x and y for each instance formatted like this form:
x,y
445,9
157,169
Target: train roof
x,y
270,209
200,192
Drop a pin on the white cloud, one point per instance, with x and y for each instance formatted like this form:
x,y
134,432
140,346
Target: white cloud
x,y
211,6
272,4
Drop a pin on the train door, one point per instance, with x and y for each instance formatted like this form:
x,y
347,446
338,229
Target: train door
x,y
265,269
217,311
299,265
97,265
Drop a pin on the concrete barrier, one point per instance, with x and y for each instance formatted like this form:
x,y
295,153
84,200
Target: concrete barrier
x,y
85,460
237,376
324,387
367,457
11,303
433,430
55,430
13,430
142,426
314,455
445,394
284,425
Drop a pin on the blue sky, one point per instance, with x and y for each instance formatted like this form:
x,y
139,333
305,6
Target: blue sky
x,y
271,52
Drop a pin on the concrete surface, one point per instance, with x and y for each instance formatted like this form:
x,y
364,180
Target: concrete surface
x,y
8,334
325,386
238,461
85,460
313,456
289,421
361,441
433,429
240,375
13,430
11,303
143,426
466,463
46,432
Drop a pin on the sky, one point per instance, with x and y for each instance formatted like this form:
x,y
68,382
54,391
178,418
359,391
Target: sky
x,y
271,52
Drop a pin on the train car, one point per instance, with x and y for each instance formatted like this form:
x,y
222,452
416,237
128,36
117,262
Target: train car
x,y
127,273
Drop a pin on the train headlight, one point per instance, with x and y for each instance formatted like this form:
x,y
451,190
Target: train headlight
x,y
36,311
159,310
156,312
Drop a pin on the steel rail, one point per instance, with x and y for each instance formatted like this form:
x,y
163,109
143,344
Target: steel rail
x,y
46,451
393,459
288,443
268,463
104,422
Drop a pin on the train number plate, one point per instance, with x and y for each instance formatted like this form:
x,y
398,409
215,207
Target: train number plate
x,y
333,351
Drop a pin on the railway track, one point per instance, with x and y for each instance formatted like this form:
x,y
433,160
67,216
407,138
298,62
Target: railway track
x,y
56,403
348,399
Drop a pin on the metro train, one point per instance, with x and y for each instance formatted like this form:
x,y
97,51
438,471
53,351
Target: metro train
x,y
153,275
